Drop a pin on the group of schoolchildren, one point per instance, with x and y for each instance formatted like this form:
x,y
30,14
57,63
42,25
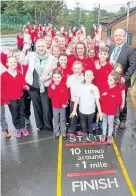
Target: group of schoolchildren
x,y
86,92
31,33
90,93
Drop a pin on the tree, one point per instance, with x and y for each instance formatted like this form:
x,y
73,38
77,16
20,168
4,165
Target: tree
x,y
89,23
122,10
3,6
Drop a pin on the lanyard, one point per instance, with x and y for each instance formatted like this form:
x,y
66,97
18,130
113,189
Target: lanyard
x,y
116,52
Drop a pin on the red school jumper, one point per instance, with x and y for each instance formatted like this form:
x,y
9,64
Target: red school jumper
x,y
111,101
101,76
88,63
59,96
20,41
33,35
3,58
65,72
121,85
12,87
20,68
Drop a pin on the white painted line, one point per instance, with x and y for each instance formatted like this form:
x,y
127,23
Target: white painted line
x,y
29,142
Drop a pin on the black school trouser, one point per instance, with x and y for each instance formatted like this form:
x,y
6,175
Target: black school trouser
x,y
27,102
33,46
16,108
75,120
87,122
123,114
68,112
20,48
42,108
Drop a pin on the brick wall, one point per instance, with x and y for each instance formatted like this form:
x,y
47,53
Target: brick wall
x,y
122,24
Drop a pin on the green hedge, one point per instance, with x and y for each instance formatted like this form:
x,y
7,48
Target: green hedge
x,y
14,22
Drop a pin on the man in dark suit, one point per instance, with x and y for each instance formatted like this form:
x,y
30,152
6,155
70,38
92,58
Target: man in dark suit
x,y
122,53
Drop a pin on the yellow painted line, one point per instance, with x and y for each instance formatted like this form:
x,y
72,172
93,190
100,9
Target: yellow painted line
x,y
124,170
59,169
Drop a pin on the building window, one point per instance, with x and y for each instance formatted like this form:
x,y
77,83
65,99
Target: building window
x,y
109,32
129,39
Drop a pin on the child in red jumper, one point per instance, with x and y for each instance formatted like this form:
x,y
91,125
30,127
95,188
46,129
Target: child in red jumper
x,y
58,93
62,64
3,122
119,69
66,71
20,41
110,101
13,84
102,69
92,54
27,100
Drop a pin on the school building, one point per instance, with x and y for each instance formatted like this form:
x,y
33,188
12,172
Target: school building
x,y
110,25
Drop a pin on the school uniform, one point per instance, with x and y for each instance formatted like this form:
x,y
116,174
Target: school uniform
x,y
88,63
109,104
101,81
53,33
22,69
87,103
3,58
33,38
20,42
122,87
3,102
13,86
101,76
73,83
27,100
63,50
59,97
66,73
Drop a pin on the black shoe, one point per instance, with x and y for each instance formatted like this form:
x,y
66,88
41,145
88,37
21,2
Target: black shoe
x,y
64,137
57,137
92,138
97,138
94,131
67,124
122,125
99,131
41,129
49,130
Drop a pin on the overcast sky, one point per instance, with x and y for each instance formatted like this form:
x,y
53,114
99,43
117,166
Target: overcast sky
x,y
89,4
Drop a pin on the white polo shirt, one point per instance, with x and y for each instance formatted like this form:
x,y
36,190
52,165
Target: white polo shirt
x,y
87,98
73,82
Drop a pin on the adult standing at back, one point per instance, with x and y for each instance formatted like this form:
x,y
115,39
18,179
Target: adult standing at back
x,y
122,53
38,77
82,56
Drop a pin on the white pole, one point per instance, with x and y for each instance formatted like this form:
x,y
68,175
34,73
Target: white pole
x,y
80,16
99,16
128,8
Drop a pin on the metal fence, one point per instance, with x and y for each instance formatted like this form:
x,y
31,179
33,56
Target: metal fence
x,y
14,22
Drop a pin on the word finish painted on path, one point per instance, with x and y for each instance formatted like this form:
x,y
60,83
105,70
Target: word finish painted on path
x,y
102,183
